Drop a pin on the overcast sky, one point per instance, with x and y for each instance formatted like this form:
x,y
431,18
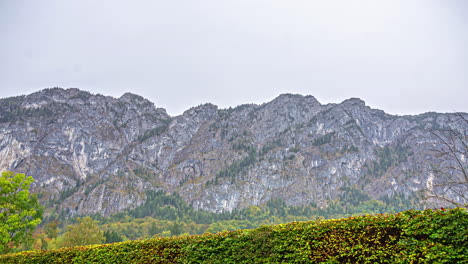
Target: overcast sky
x,y
401,56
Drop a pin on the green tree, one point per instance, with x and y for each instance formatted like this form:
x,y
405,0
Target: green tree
x,y
176,228
112,237
85,232
20,211
51,229
153,229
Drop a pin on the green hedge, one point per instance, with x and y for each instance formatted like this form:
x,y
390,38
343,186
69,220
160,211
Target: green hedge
x,y
430,236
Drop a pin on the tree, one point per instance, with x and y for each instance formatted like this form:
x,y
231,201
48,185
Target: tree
x,y
51,229
85,232
176,228
112,237
20,211
452,164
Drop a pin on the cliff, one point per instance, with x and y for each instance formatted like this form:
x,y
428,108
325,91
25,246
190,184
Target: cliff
x,y
97,154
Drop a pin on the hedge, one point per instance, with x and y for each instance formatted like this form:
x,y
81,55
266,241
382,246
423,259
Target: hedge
x,y
429,236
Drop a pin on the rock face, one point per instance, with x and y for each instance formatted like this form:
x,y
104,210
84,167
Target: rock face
x,y
97,154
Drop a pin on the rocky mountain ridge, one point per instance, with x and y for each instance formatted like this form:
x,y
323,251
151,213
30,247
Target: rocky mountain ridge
x,y
97,154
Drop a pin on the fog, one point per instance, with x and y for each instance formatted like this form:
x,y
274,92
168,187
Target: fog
x,y
404,57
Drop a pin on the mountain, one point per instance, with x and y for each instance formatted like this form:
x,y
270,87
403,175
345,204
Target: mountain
x,y
97,154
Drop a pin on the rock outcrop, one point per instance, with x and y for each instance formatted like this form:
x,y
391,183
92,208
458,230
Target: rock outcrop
x,y
97,154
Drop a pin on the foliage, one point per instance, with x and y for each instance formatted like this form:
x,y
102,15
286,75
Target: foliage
x,y
154,131
322,140
68,192
430,236
240,166
170,207
20,212
85,232
12,111
112,237
387,157
161,213
165,215
353,195
51,229
10,108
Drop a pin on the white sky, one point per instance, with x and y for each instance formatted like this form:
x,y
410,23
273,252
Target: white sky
x,y
401,56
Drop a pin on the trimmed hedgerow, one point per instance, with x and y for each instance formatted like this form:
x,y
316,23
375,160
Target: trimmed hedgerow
x,y
430,236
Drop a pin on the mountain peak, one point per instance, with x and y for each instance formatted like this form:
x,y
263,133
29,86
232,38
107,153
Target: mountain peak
x,y
354,101
131,97
296,98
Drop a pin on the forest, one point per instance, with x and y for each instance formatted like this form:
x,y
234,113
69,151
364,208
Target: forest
x,y
167,215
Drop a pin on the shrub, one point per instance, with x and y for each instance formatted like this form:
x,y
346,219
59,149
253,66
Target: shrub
x,y
430,236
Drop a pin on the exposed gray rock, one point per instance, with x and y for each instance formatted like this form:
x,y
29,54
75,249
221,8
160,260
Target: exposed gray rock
x,y
97,154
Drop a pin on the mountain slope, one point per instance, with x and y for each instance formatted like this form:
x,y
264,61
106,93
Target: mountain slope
x,y
98,154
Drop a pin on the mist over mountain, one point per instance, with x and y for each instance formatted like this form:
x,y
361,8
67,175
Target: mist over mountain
x,y
94,154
